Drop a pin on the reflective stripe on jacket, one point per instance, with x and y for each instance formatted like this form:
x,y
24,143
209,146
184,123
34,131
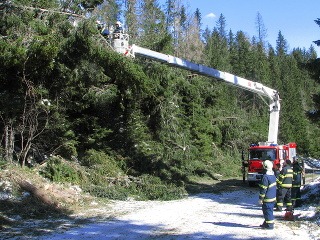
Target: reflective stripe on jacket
x,y
267,188
285,177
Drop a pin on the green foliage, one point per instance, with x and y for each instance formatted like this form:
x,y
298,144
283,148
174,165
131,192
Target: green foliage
x,y
59,170
90,4
109,192
152,188
103,164
122,116
3,162
146,187
69,149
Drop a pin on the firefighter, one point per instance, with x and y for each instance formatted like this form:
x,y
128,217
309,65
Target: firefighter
x,y
296,183
267,196
103,30
118,30
276,171
285,184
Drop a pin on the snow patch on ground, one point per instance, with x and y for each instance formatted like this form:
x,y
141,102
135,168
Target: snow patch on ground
x,y
229,215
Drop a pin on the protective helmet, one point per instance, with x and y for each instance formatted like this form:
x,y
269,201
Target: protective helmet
x,y
118,23
267,164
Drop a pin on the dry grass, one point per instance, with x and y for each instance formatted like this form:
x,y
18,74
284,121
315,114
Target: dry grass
x,y
33,196
34,206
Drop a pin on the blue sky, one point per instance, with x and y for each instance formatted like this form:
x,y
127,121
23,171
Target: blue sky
x,y
294,18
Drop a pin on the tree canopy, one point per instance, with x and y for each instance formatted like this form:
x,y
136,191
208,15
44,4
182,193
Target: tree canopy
x,y
65,92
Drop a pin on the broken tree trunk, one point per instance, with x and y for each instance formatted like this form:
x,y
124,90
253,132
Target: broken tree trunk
x,y
38,193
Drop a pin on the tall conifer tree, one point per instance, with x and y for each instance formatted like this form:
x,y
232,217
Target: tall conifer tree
x,y
152,23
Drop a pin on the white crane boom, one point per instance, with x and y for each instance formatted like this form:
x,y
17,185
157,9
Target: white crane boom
x,y
121,46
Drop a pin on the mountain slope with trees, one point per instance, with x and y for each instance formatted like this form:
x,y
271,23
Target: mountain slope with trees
x,y
67,98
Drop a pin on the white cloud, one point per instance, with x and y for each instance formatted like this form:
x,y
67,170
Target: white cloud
x,y
210,15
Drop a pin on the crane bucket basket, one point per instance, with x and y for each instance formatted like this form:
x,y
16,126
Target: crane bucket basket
x,y
120,42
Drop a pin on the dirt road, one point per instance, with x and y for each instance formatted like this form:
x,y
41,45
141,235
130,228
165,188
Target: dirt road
x,y
228,210
226,215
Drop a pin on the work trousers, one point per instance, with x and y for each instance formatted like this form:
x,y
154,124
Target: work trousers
x,y
296,196
267,209
284,197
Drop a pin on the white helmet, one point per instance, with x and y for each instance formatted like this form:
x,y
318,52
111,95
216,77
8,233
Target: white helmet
x,y
118,23
267,164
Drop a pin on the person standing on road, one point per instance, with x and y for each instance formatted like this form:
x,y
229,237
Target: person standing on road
x,y
296,183
285,184
267,195
277,171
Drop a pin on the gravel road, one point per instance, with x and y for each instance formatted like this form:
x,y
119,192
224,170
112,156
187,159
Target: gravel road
x,y
227,215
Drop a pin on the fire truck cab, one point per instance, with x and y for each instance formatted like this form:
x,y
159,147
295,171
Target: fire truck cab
x,y
257,153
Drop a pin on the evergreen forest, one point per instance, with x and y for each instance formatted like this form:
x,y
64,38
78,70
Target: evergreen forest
x,y
66,98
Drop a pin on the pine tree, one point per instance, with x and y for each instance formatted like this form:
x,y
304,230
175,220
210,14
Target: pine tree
x,y
217,47
108,12
29,53
198,18
317,21
262,31
177,22
152,22
221,26
170,15
244,56
281,45
190,44
132,20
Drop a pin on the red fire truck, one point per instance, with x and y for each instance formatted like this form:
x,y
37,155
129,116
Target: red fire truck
x,y
257,153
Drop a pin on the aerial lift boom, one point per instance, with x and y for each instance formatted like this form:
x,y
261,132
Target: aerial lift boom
x,y
273,101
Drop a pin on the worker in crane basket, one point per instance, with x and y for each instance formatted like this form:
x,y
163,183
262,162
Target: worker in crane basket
x,y
118,30
267,195
99,25
285,184
103,29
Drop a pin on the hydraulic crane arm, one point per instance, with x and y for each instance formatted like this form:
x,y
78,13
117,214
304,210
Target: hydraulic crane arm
x,y
263,91
205,71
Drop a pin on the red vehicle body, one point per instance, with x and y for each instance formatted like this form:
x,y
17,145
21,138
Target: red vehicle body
x,y
257,153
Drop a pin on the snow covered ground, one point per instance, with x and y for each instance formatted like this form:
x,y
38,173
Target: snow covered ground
x,y
228,215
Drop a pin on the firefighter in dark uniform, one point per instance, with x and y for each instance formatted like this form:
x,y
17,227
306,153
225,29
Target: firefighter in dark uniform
x,y
267,195
276,171
296,183
118,30
285,184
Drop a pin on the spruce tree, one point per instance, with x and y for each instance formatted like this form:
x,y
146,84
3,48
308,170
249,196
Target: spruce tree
x,y
261,30
317,21
152,23
131,20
